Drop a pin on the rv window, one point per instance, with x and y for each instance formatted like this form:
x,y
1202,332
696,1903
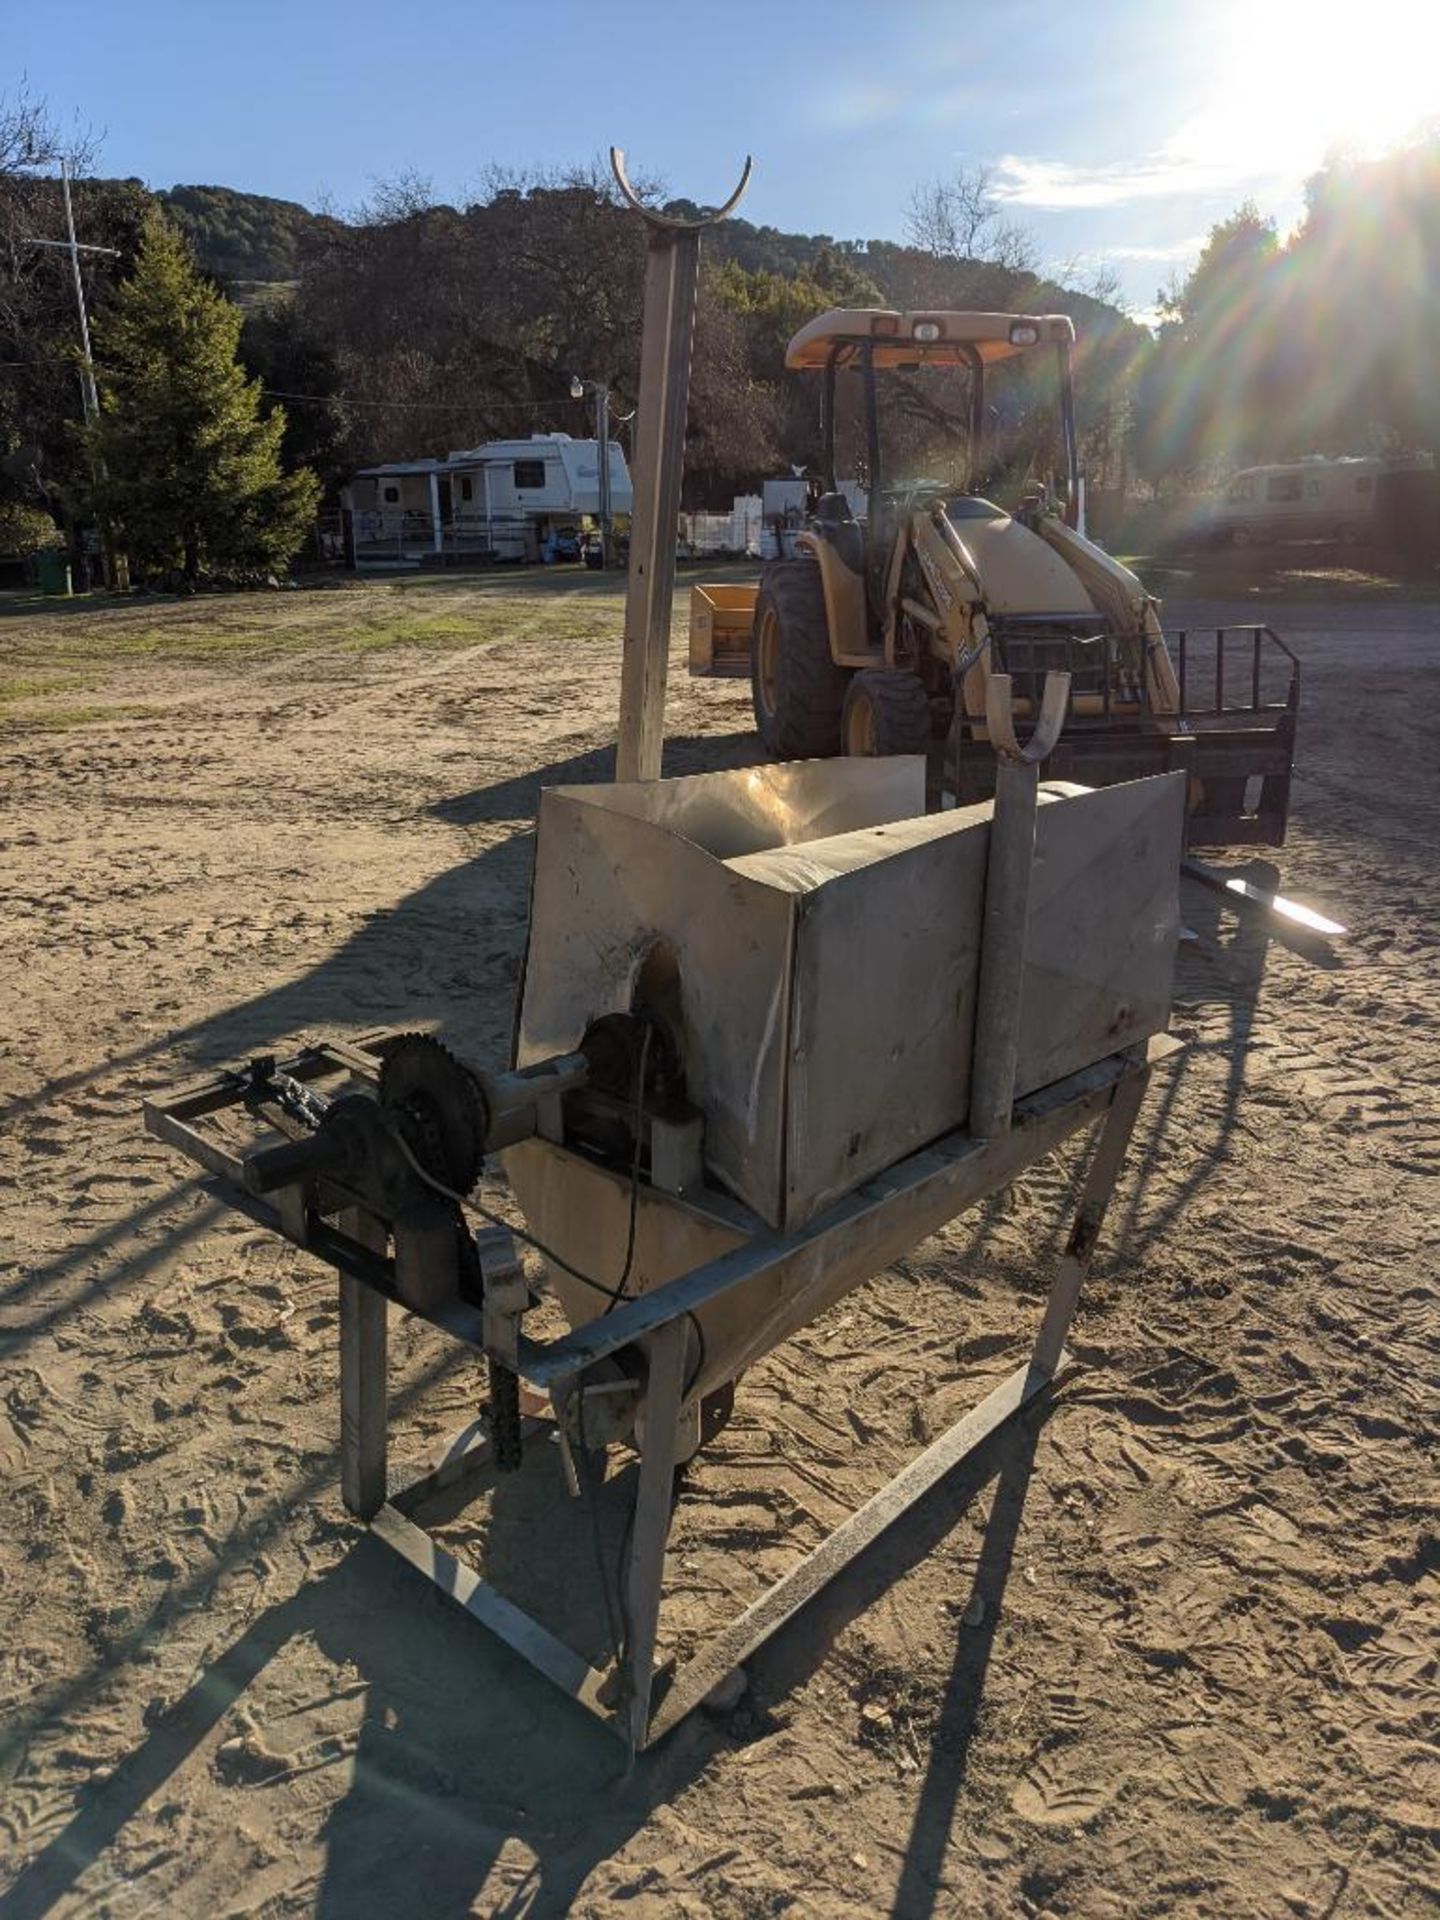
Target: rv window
x,y
1312,489
1283,486
392,494
467,487
1362,483
529,473
1240,490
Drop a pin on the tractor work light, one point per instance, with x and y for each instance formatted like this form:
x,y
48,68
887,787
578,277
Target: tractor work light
x,y
925,330
1024,336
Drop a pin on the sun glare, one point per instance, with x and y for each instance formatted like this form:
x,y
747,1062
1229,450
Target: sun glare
x,y
1296,79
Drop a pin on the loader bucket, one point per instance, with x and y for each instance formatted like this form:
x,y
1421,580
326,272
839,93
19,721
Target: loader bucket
x,y
720,620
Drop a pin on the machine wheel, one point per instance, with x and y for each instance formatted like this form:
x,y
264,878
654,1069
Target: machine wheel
x,y
886,711
798,689
1242,537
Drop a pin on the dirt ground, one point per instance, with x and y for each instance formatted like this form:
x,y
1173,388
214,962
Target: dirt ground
x,y
1167,1647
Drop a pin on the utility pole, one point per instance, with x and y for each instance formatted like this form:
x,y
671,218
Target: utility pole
x,y
87,370
89,393
578,390
602,446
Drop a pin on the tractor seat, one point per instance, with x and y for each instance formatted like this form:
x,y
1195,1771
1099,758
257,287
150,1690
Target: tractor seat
x,y
834,522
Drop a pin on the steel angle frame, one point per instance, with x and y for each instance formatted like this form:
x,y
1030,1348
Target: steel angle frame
x,y
889,1213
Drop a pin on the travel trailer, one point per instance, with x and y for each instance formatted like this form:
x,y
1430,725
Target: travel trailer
x,y
1309,499
505,500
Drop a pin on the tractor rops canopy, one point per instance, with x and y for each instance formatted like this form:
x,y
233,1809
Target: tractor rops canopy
x,y
931,339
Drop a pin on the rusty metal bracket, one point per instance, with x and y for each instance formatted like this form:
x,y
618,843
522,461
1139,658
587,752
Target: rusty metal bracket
x,y
671,269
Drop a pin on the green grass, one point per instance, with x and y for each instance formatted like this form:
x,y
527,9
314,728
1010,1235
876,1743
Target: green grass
x,y
52,647
37,685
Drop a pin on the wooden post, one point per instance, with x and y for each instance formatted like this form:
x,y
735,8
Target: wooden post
x,y
672,263
671,266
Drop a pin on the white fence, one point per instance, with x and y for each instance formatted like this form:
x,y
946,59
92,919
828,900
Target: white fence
x,y
735,532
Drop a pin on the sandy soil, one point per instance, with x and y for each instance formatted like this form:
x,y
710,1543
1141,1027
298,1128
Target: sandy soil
x,y
1167,1648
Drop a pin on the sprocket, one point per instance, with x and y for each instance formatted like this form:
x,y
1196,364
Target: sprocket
x,y
438,1105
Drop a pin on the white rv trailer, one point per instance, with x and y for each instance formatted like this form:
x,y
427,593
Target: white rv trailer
x,y
1314,498
500,501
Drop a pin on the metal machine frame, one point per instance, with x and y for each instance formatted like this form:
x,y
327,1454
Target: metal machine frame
x,y
890,1213
864,352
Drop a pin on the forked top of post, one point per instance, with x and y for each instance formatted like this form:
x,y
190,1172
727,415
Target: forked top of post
x,y
1000,719
658,219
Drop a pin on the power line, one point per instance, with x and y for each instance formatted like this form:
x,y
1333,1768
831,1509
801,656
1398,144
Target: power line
x,y
421,406
347,400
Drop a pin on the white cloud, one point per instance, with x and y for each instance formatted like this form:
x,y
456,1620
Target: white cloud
x,y
1174,250
1055,186
1211,154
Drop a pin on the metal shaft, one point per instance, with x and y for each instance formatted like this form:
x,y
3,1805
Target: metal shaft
x,y
1007,897
672,261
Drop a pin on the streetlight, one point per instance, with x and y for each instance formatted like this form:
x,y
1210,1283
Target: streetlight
x,y
578,389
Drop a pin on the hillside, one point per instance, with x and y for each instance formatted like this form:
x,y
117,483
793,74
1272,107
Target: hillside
x,y
244,236
249,239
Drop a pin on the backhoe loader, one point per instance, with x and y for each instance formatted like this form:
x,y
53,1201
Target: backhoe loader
x,y
879,636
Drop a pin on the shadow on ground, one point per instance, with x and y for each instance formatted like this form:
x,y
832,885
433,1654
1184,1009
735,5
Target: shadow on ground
x,y
461,1750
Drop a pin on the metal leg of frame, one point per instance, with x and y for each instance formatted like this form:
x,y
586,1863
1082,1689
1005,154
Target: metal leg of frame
x,y
363,1381
1115,1131
653,1500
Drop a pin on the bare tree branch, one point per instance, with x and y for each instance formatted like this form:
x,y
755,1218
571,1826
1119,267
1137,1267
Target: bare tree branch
x,y
959,218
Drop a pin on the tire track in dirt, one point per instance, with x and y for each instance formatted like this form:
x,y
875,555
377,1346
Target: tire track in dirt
x,y
1174,1635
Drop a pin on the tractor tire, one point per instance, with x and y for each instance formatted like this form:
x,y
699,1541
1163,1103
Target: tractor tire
x,y
886,711
798,690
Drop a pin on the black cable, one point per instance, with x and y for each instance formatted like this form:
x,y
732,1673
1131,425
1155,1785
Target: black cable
x,y
591,1490
700,1358
418,406
636,1117
499,1220
621,1593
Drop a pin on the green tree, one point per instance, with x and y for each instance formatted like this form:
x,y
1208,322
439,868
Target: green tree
x,y
1206,399
191,465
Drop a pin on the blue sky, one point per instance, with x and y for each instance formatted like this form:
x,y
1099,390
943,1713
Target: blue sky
x,y
1118,130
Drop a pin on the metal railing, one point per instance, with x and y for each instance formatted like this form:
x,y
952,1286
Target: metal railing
x,y
1272,669
1104,676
